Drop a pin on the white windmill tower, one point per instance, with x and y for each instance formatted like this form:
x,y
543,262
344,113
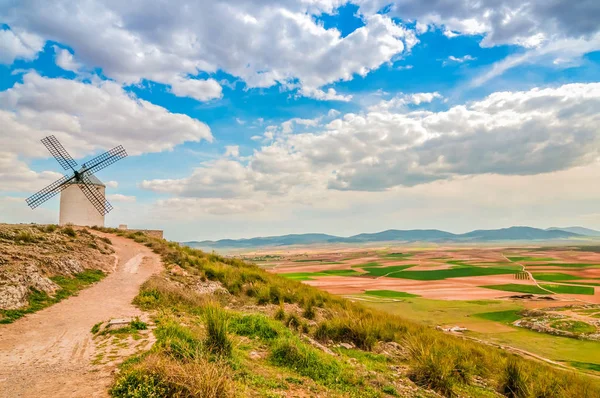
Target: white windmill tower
x,y
82,195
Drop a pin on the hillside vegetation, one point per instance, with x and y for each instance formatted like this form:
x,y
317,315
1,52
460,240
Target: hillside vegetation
x,y
227,328
43,264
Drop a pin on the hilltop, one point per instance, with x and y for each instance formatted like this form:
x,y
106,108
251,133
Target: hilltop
x,y
224,327
394,235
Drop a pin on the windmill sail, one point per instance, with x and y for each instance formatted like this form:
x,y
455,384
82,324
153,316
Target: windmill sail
x,y
105,160
40,197
99,202
59,152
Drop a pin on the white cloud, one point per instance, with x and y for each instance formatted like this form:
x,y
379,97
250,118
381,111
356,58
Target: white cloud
x,y
507,133
111,184
329,95
16,176
261,43
400,101
18,45
88,117
239,121
202,90
65,60
459,60
232,151
117,197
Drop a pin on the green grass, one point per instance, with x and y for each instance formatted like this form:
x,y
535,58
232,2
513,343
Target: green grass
x,y
525,258
389,294
307,276
569,289
371,264
508,316
39,300
397,255
554,276
513,287
458,272
381,271
563,265
586,366
576,327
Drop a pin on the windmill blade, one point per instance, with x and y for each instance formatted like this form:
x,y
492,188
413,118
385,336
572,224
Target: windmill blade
x,y
59,152
104,160
40,197
100,203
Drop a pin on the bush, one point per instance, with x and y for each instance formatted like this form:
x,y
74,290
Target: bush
x,y
217,340
292,354
254,326
157,376
280,313
50,228
69,231
26,237
514,383
309,311
178,341
136,324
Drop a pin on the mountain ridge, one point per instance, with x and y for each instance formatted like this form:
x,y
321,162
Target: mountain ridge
x,y
514,233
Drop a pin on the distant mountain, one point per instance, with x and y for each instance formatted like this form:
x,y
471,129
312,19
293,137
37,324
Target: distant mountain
x,y
516,233
394,235
400,235
285,240
577,230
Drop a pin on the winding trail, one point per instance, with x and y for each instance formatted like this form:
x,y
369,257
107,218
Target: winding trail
x,y
49,353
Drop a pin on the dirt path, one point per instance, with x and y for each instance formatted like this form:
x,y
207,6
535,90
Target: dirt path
x,y
49,353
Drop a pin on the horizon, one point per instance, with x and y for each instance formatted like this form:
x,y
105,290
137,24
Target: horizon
x,y
265,119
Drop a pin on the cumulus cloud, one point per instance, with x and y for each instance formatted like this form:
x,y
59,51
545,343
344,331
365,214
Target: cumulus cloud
x,y
65,59
202,90
88,117
507,133
459,60
16,176
111,184
117,197
262,43
16,44
402,100
232,151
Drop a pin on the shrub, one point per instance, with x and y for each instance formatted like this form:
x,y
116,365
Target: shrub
x,y
178,341
217,340
309,311
254,326
292,354
157,376
136,324
26,237
50,228
514,383
69,231
280,313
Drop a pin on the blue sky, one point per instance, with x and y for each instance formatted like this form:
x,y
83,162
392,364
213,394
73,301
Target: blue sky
x,y
246,118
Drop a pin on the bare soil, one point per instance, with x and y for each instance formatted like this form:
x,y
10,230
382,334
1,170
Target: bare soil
x,y
52,353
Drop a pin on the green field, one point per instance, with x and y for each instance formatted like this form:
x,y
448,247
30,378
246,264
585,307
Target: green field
x,y
513,287
577,327
518,259
307,276
381,271
554,276
488,320
398,255
457,272
371,264
563,265
508,316
569,289
389,294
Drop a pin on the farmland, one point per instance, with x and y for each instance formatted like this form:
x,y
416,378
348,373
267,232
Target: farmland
x,y
501,295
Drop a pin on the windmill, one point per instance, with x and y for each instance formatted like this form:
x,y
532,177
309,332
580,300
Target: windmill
x,y
82,195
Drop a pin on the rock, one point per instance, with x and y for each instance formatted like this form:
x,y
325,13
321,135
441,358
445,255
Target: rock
x,y
177,270
256,355
347,346
210,287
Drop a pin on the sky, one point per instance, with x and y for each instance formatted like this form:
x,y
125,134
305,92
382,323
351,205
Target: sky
x,y
248,118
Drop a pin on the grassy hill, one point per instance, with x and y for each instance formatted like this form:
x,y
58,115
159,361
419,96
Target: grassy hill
x,y
227,328
43,264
